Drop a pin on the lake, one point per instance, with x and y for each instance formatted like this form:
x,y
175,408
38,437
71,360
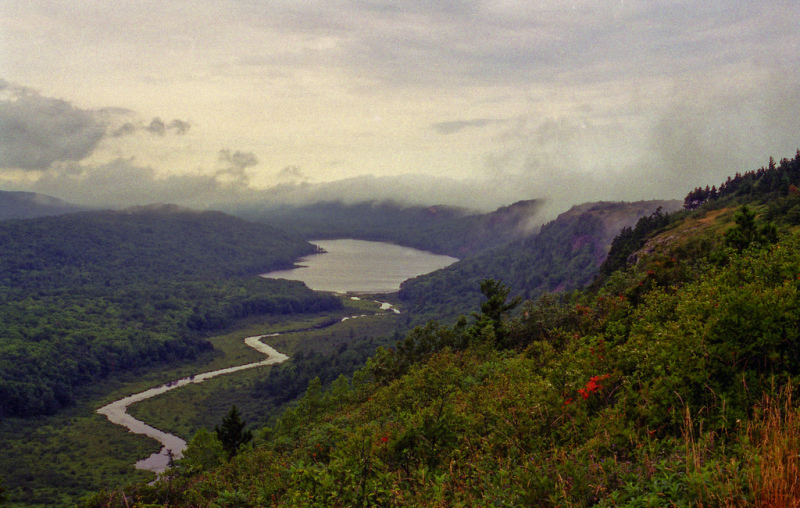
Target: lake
x,y
358,266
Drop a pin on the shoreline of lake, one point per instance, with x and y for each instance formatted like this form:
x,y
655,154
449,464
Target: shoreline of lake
x,y
351,266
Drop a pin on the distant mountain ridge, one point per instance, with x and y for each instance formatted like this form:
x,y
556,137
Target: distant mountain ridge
x,y
152,242
565,254
442,229
28,205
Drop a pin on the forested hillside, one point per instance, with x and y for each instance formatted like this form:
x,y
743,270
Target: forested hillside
x,y
566,254
85,295
672,381
447,230
27,205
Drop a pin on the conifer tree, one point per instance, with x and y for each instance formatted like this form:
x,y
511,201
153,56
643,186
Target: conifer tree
x,y
231,433
493,309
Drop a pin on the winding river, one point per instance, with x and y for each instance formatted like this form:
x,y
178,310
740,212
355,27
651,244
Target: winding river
x,y
117,412
347,266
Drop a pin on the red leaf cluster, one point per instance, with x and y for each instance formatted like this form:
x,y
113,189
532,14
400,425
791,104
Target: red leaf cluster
x,y
592,386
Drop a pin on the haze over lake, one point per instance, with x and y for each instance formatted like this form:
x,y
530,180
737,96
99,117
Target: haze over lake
x,y
360,266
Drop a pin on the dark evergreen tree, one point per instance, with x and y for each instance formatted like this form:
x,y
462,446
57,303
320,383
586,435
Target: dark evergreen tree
x,y
493,309
746,233
231,433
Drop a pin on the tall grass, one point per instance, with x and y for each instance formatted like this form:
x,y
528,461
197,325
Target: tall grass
x,y
774,434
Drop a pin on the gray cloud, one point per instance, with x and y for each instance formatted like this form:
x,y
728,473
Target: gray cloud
x,y
292,173
122,183
454,126
180,126
406,189
704,134
599,119
235,165
483,42
37,131
157,127
125,129
237,159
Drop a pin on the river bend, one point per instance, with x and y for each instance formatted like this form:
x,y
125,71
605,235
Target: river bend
x,y
116,412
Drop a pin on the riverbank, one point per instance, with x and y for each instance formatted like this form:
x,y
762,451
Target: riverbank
x,y
92,454
173,446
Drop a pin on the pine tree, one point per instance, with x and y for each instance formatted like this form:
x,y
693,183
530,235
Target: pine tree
x,y
231,432
492,311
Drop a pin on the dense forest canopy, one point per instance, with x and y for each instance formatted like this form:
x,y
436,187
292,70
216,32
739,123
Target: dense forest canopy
x,y
85,295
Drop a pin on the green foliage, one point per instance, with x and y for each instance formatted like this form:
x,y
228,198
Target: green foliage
x,y
204,452
629,240
613,401
487,332
494,309
231,432
86,296
745,233
656,388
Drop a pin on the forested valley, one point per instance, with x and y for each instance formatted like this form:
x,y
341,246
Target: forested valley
x,y
627,354
92,300
85,295
669,380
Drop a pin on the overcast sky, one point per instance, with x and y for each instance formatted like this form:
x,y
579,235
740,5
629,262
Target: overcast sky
x,y
474,102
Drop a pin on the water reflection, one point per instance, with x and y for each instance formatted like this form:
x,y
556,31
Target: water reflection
x,y
360,266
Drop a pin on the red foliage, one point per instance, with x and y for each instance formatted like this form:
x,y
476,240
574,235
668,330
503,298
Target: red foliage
x,y
592,386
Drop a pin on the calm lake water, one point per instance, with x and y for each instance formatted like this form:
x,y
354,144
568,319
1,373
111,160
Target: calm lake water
x,y
362,267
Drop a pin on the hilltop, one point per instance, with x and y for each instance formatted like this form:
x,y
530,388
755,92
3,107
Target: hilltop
x,y
27,205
